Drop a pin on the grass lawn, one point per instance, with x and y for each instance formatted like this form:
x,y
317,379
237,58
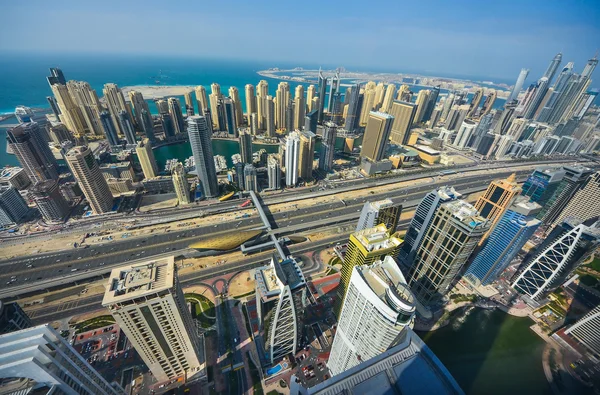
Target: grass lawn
x,y
595,264
94,323
590,281
203,307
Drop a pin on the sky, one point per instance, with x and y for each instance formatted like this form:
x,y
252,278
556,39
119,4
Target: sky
x,y
484,38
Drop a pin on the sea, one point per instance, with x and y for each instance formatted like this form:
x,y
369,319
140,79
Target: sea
x,y
23,80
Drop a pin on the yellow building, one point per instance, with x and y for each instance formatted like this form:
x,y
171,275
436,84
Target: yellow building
x,y
146,158
365,247
496,199
428,155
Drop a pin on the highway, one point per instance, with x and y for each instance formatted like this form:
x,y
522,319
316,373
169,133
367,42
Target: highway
x,y
28,271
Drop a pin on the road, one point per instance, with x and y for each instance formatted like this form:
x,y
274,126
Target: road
x,y
39,271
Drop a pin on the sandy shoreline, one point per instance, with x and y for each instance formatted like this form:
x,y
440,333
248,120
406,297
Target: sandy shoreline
x,y
151,92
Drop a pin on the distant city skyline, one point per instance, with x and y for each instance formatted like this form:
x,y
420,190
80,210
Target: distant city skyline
x,y
491,41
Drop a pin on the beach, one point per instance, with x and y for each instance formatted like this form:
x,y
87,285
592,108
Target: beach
x,y
151,92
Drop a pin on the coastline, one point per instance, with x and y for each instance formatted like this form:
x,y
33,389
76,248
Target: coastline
x,y
153,92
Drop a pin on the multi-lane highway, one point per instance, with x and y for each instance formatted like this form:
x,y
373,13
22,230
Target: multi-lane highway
x,y
21,275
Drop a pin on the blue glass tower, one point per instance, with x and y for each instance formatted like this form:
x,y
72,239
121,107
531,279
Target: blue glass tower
x,y
510,234
542,183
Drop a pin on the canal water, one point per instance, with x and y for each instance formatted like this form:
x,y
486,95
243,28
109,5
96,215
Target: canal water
x,y
491,352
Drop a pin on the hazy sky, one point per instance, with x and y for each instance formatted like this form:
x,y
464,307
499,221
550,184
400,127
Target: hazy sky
x,y
479,38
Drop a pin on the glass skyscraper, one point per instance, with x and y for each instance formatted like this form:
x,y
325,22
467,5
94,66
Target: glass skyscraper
x,y
510,234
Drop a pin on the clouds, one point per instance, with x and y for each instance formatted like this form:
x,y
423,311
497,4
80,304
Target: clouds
x,y
492,39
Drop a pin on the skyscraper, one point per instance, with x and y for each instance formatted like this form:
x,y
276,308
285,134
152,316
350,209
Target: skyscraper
x,y
245,142
146,158
49,201
176,115
70,113
86,98
86,171
148,304
388,99
189,103
365,247
585,330
12,318
553,67
379,212
109,128
514,228
262,94
32,152
404,115
368,103
327,146
499,195
201,99
299,107
292,158
475,102
12,206
56,77
333,93
250,101
280,290
234,94
376,312
465,132
322,94
273,173
214,99
518,85
353,115
488,104
559,91
557,256
310,95
127,127
584,203
449,240
376,135
422,100
250,178
115,102
47,364
200,140
282,98
306,154
138,103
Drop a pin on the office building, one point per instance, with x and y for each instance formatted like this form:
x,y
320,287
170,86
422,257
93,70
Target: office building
x,y
292,159
322,91
127,127
585,203
15,177
181,184
377,310
12,318
176,115
423,216
109,129
281,293
146,158
147,302
310,121
518,85
574,177
408,368
514,228
499,195
49,200
39,361
12,206
475,103
115,101
465,133
32,152
365,247
86,171
245,141
199,134
306,154
381,212
354,108
567,245
449,240
488,104
542,183
404,115
117,170
586,332
274,173
250,178
148,125
227,106
376,136
327,152
334,96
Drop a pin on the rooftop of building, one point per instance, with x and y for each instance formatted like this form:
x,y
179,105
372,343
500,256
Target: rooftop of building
x,y
447,193
115,165
381,114
465,212
378,205
271,279
426,149
377,238
78,150
9,172
408,368
387,282
140,279
522,205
